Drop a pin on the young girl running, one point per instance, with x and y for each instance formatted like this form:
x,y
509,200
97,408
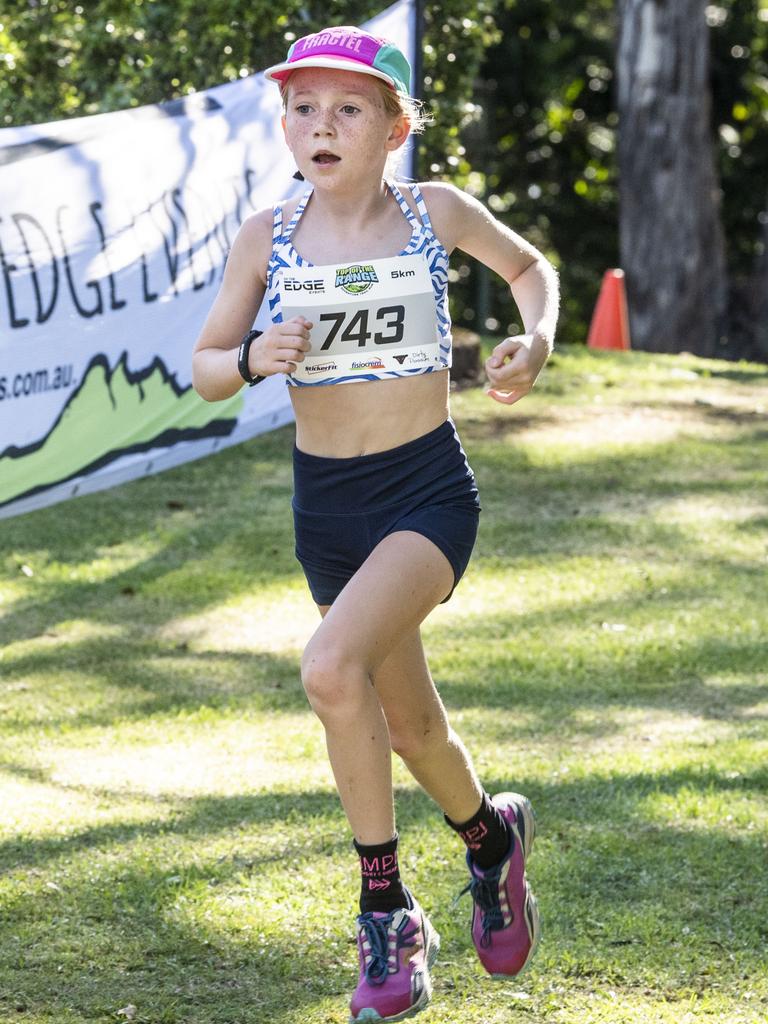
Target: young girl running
x,y
385,504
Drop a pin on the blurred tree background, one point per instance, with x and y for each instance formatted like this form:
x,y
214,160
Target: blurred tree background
x,y
522,93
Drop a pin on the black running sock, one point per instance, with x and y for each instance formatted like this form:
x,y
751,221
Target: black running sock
x,y
381,888
487,834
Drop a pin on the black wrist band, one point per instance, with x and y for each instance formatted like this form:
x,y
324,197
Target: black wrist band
x,y
242,358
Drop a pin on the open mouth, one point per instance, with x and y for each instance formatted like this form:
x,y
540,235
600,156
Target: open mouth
x,y
325,158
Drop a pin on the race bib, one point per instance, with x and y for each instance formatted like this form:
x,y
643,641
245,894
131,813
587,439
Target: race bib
x,y
369,317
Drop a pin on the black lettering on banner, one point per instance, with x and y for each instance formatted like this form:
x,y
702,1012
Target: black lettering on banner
x,y
182,229
170,242
114,301
357,328
211,232
85,313
31,383
28,383
149,295
251,182
179,205
8,269
62,377
42,312
238,201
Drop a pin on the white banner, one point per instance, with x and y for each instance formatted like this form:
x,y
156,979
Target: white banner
x,y
113,234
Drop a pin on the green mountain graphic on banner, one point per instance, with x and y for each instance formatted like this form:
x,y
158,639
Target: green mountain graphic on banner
x,y
113,413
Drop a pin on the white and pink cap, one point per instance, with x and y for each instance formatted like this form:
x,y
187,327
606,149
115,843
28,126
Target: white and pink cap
x,y
346,49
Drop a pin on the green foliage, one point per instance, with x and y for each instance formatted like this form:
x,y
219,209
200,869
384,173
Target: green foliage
x,y
521,91
65,59
740,119
456,37
541,145
542,150
72,59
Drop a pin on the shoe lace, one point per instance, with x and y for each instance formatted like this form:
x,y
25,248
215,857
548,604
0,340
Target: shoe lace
x,y
485,893
377,933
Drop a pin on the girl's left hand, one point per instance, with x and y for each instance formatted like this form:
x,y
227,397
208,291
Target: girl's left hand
x,y
514,365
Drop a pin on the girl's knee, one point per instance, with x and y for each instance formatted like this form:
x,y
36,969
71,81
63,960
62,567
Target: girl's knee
x,y
333,681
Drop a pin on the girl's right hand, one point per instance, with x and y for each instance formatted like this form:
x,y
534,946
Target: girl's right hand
x,y
280,348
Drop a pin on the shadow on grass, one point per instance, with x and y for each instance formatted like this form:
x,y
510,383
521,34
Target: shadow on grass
x,y
141,683
148,925
156,682
186,817
635,669
566,803
743,376
228,531
756,524
236,535
618,671
681,466
613,875
90,953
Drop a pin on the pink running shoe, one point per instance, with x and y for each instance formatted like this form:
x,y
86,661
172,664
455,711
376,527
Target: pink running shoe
x,y
505,917
396,951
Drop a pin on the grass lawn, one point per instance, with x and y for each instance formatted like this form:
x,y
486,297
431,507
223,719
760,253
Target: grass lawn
x,y
172,850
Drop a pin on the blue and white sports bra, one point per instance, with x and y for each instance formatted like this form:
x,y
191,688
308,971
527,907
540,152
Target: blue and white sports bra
x,y
373,319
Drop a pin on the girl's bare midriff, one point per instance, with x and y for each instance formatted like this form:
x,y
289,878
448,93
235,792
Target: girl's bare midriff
x,y
346,420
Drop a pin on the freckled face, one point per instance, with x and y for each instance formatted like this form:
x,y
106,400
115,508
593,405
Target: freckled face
x,y
335,124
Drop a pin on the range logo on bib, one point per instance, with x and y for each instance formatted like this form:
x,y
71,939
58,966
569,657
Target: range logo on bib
x,y
357,279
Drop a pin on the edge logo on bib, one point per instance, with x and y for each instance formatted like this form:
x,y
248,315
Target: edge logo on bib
x,y
356,279
292,285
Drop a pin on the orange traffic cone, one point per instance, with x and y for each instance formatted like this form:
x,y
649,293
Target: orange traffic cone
x,y
610,320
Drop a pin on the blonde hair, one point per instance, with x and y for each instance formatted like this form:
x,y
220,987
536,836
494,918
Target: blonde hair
x,y
398,105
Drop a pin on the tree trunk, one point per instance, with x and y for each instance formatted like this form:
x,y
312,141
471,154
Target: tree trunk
x,y
761,289
671,238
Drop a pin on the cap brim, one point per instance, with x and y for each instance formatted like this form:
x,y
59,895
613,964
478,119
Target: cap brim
x,y
280,73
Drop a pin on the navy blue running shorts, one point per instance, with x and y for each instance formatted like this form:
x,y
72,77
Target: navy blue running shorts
x,y
342,508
